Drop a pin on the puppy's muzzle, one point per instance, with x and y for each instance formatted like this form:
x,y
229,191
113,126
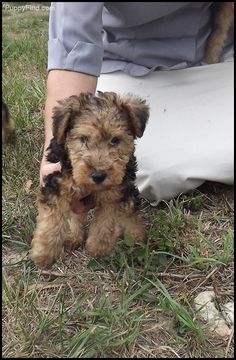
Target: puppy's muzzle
x,y
98,177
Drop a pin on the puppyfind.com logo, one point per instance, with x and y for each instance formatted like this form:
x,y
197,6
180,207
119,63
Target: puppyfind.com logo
x,y
24,8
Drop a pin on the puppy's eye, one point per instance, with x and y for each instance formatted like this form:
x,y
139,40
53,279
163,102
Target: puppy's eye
x,y
83,139
115,141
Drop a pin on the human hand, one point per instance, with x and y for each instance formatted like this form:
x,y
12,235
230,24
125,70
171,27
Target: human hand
x,y
78,205
47,168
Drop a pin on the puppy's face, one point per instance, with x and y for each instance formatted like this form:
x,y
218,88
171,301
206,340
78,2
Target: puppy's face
x,y
98,133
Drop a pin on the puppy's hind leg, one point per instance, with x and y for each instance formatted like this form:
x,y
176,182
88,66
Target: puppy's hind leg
x,y
132,222
134,226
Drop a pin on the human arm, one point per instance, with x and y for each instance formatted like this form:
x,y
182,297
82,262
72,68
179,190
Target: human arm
x,y
74,59
61,84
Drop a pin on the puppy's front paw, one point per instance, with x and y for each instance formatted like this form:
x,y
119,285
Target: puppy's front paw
x,y
98,249
42,255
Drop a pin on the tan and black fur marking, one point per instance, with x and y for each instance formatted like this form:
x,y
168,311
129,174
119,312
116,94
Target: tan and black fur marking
x,y
94,141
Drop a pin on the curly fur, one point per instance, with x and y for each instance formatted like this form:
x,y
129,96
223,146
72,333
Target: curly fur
x,y
94,141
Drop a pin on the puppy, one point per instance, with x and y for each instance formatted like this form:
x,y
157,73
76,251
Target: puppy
x,y
94,139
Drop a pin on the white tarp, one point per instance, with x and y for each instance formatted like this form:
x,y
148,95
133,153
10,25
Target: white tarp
x,y
190,136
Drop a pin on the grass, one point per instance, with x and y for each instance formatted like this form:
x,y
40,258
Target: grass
x,y
138,302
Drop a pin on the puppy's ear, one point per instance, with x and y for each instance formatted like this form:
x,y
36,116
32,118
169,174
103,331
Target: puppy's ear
x,y
136,109
62,116
65,112
138,112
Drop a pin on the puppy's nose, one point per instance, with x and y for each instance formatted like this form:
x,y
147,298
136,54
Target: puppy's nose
x,y
99,177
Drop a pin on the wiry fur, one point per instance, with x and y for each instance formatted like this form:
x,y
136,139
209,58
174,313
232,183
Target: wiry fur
x,y
222,20
93,136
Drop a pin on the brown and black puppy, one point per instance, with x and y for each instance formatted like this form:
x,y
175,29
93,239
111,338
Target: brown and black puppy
x,y
94,139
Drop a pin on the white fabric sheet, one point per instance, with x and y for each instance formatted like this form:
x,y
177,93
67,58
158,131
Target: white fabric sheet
x,y
189,137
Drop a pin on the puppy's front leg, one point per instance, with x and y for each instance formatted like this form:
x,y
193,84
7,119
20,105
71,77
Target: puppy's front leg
x,y
57,225
49,234
104,232
77,219
58,222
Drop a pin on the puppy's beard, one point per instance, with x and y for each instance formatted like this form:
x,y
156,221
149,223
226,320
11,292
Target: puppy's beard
x,y
82,175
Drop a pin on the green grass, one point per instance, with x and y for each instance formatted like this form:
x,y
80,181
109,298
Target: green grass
x,y
138,302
